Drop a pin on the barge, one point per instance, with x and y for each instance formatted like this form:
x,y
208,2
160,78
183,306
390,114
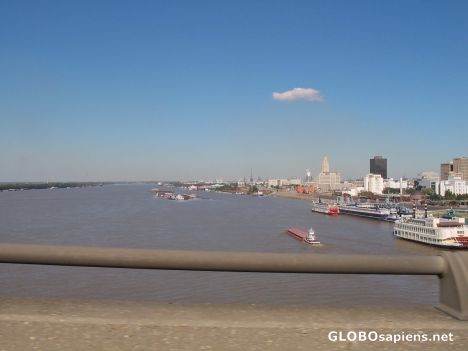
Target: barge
x,y
370,211
307,237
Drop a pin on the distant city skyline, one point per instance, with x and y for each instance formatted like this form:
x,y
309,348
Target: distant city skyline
x,y
121,91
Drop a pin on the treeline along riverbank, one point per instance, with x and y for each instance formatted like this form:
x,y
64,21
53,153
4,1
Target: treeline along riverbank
x,y
55,185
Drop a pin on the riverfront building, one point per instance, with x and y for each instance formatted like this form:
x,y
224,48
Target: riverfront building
x,y
378,165
427,179
374,183
327,180
395,184
458,167
284,182
445,170
456,185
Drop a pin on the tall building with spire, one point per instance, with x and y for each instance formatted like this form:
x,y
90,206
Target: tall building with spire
x,y
325,165
326,180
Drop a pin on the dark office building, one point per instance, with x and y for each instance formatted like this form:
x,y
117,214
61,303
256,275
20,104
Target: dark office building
x,y
378,165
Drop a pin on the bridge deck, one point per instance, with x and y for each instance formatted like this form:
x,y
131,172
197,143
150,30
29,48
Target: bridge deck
x,y
33,324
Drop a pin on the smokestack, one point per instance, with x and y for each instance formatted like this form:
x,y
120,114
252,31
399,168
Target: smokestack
x,y
414,210
425,211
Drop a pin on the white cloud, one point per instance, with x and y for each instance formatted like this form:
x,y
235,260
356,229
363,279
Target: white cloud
x,y
307,94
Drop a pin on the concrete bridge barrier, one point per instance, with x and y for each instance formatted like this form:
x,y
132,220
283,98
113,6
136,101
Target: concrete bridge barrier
x,y
450,267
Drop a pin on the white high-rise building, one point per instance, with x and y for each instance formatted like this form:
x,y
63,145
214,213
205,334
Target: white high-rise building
x,y
374,183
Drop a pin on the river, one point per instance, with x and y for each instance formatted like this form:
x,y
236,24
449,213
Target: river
x,y
130,216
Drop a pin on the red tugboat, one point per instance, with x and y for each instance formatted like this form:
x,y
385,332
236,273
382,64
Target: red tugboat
x,y
307,237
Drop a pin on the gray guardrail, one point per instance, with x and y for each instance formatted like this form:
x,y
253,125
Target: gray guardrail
x,y
450,267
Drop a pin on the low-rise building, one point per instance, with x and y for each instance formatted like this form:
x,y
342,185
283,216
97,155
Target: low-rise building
x,y
395,184
426,179
284,182
456,185
354,191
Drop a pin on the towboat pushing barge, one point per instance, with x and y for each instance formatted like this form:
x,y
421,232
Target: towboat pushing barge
x,y
307,237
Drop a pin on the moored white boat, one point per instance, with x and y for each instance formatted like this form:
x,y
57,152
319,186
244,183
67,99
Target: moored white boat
x,y
451,233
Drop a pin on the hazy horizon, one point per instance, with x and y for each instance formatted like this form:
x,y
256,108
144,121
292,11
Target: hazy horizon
x,y
123,91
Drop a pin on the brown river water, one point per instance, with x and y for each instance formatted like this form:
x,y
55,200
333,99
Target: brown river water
x,y
130,216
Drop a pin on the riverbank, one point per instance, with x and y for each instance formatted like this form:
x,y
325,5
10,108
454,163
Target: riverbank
x,y
54,185
309,197
292,195
297,196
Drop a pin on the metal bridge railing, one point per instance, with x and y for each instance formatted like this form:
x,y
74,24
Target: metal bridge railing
x,y
450,267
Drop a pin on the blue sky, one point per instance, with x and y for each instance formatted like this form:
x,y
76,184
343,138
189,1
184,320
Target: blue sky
x,y
141,90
